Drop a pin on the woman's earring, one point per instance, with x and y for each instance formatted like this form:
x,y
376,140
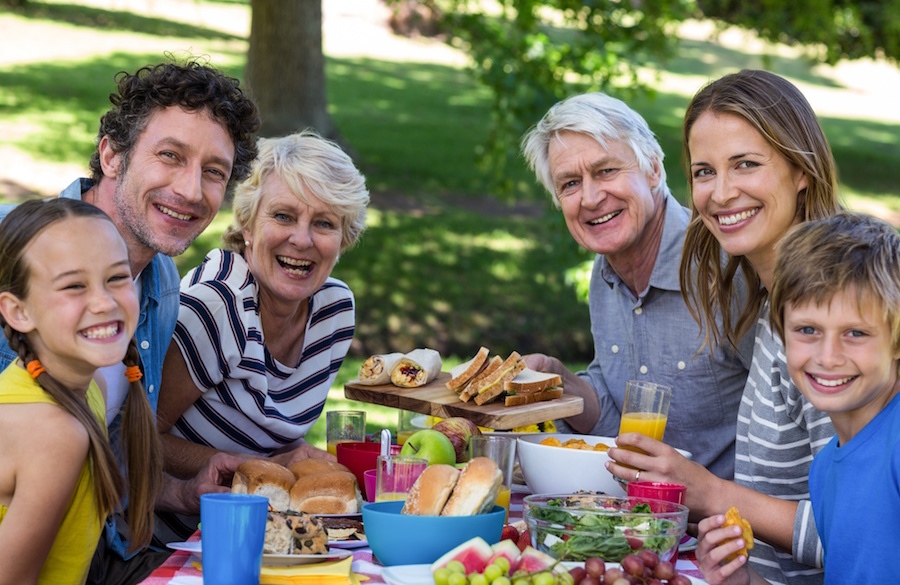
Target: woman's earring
x,y
246,243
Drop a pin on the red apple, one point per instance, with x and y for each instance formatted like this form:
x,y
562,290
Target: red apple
x,y
458,430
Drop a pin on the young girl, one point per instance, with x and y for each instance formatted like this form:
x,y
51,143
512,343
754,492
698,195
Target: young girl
x,y
68,306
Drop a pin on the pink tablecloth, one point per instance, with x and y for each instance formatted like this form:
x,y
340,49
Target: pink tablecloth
x,y
180,568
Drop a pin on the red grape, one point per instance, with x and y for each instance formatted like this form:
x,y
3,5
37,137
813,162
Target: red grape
x,y
578,574
632,565
595,567
680,580
649,557
664,570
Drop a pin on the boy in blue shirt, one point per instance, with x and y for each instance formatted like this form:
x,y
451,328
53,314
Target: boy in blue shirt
x,y
836,304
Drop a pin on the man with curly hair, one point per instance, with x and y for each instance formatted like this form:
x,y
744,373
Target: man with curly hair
x,y
177,138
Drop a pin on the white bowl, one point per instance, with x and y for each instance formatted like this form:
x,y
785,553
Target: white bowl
x,y
559,470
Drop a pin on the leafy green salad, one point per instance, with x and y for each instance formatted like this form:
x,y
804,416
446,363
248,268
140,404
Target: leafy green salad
x,y
578,537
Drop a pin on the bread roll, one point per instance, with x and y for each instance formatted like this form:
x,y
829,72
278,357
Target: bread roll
x,y
264,478
476,490
333,492
312,466
431,490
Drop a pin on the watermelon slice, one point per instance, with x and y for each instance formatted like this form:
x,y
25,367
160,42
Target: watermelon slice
x,y
473,554
506,548
533,561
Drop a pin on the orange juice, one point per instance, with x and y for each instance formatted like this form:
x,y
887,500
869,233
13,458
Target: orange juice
x,y
503,497
332,445
646,423
389,496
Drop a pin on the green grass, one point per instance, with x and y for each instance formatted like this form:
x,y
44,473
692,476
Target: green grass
x,y
441,274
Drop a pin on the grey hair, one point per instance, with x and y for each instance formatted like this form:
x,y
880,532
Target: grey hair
x,y
605,119
309,165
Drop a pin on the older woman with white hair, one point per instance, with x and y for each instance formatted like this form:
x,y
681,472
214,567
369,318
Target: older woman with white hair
x,y
263,327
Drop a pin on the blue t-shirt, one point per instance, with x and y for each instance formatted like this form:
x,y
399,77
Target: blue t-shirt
x,y
159,312
855,491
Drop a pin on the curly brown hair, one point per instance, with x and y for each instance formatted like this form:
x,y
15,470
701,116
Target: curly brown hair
x,y
191,85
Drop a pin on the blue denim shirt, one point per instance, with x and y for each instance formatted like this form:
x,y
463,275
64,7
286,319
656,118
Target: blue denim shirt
x,y
159,313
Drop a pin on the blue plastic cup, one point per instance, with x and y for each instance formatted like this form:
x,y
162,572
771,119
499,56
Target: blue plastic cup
x,y
234,529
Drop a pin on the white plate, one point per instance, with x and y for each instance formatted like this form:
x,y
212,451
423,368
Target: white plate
x,y
272,560
421,574
348,544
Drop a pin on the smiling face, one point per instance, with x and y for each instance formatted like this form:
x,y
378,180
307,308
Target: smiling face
x,y
82,308
606,199
841,357
745,191
293,245
174,182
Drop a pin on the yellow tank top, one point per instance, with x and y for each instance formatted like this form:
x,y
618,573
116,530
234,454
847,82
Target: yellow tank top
x,y
73,548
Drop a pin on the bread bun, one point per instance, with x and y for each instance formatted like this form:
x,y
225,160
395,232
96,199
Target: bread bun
x,y
476,490
431,490
312,466
332,492
262,477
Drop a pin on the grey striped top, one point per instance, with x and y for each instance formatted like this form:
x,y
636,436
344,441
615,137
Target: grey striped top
x,y
778,433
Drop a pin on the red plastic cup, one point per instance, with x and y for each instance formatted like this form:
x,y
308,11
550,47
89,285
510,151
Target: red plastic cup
x,y
657,490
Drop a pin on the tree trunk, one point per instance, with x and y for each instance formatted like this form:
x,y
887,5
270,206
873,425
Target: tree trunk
x,y
286,67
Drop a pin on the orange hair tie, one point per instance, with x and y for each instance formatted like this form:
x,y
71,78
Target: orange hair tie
x,y
35,368
133,373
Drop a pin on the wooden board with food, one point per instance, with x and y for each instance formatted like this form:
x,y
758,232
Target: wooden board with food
x,y
436,399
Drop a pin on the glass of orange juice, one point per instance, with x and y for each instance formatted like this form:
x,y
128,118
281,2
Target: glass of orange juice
x,y
395,475
344,426
646,409
502,450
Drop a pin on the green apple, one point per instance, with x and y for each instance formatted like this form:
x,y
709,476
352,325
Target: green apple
x,y
432,446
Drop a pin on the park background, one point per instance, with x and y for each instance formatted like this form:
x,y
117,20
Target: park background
x,y
445,261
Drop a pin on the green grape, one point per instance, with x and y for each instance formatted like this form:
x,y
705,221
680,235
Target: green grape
x,y
456,567
457,579
566,578
543,578
441,576
522,581
491,572
503,563
504,580
478,579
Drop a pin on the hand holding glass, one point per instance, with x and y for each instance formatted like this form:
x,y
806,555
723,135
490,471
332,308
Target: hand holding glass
x,y
646,410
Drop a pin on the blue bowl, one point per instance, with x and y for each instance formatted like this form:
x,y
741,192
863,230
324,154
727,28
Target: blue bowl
x,y
400,539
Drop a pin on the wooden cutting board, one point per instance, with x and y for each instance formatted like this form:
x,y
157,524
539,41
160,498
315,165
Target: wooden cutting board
x,y
436,399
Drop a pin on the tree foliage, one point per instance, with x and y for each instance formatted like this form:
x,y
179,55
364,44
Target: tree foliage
x,y
532,53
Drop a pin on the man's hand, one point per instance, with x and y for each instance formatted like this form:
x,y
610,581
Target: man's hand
x,y
183,496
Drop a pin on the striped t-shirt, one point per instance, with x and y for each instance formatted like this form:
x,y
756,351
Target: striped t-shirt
x,y
251,403
778,433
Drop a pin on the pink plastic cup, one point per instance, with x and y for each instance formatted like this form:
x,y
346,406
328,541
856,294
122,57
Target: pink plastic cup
x,y
369,477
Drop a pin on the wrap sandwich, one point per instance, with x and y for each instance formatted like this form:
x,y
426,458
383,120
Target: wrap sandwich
x,y
416,368
377,368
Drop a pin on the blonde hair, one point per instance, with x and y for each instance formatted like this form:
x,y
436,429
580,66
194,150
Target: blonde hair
x,y
818,259
309,165
780,112
142,445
